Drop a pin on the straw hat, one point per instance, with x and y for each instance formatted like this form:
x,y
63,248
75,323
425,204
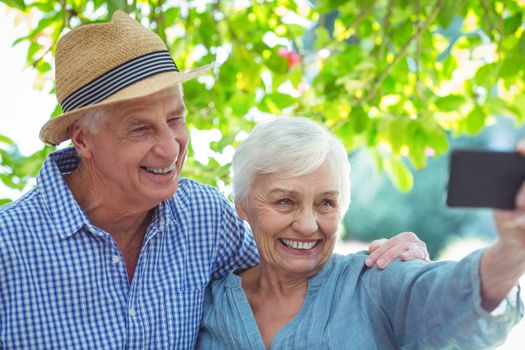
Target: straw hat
x,y
100,64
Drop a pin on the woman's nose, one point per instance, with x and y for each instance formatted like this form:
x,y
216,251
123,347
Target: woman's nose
x,y
306,222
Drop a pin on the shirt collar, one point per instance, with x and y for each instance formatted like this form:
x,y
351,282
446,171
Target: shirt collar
x,y
61,206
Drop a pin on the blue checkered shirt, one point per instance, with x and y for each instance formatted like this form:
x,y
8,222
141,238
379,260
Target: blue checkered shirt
x,y
63,283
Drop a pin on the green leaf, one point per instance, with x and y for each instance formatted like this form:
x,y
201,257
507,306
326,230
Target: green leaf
x,y
500,107
417,143
18,4
521,44
57,111
46,6
511,24
322,38
358,119
399,174
114,5
437,139
241,103
484,74
6,140
296,76
447,13
277,63
511,66
4,201
450,103
475,120
396,136
276,101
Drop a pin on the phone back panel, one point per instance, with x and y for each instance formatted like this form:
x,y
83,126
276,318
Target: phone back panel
x,y
484,179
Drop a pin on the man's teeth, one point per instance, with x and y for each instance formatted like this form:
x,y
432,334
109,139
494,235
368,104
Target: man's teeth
x,y
299,245
160,170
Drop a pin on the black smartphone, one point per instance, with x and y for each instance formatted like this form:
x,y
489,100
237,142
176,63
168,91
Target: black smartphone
x,y
484,179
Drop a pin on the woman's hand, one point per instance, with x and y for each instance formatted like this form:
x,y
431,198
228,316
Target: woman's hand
x,y
503,263
404,245
511,223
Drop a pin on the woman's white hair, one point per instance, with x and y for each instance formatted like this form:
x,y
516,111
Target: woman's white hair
x,y
288,146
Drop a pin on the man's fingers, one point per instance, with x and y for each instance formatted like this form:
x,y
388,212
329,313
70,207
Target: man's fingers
x,y
416,251
390,255
376,244
406,246
375,250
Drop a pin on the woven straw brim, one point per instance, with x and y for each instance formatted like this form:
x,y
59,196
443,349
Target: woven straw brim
x,y
55,130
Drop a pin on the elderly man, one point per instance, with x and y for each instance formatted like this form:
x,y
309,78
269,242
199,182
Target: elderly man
x,y
112,249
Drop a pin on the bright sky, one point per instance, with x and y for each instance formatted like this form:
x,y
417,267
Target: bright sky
x,y
24,110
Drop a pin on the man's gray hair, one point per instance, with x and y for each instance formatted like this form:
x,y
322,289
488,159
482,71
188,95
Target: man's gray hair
x,y
288,146
93,120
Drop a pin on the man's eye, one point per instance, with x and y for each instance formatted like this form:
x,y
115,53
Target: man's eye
x,y
140,130
175,120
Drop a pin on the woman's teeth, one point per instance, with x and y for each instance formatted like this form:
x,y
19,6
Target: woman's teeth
x,y
160,170
299,245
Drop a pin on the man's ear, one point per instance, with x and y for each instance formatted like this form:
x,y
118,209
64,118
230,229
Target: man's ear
x,y
77,134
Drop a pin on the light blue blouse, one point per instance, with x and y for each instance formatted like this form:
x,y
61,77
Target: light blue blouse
x,y
409,305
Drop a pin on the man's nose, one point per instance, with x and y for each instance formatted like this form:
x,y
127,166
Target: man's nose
x,y
306,222
167,144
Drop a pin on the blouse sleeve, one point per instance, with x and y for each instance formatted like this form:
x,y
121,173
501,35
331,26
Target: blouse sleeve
x,y
438,305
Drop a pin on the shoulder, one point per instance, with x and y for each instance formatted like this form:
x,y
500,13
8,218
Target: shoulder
x,y
19,222
191,192
20,214
218,290
228,282
349,263
345,269
199,202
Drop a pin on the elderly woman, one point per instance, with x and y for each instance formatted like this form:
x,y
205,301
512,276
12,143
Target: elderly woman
x,y
291,183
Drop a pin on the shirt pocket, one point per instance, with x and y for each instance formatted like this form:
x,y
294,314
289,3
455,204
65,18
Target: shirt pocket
x,y
183,315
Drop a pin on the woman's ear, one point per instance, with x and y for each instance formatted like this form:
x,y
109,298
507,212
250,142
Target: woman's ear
x,y
77,134
241,211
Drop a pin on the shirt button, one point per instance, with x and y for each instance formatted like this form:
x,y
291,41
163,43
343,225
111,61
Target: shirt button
x,y
116,259
132,312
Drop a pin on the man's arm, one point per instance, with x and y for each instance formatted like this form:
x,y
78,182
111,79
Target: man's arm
x,y
236,246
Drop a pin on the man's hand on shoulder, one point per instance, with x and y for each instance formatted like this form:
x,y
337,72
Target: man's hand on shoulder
x,y
404,245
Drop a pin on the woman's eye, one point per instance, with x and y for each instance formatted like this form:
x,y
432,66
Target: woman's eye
x,y
284,201
328,203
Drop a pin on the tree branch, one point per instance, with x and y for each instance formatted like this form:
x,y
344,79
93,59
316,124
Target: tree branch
x,y
417,85
386,27
486,14
361,17
402,53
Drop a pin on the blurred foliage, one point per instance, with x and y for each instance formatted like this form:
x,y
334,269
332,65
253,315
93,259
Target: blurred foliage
x,y
393,77
378,210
